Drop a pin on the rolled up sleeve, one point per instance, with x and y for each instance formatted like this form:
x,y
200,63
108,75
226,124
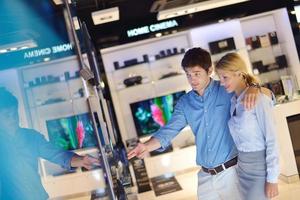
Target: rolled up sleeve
x,y
177,122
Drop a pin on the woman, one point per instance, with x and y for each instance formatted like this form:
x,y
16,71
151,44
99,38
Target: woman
x,y
253,132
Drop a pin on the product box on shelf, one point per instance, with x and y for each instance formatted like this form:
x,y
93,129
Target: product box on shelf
x,y
273,37
220,46
264,41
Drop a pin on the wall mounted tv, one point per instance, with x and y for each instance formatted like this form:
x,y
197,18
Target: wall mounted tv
x,y
151,114
73,132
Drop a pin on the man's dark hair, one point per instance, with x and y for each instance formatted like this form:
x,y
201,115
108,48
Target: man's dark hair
x,y
196,57
7,99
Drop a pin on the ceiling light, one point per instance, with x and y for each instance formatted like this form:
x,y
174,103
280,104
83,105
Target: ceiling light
x,y
297,12
3,50
105,16
24,47
58,2
47,59
76,23
15,46
197,7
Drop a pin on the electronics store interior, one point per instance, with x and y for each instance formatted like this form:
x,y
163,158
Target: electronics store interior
x,y
93,79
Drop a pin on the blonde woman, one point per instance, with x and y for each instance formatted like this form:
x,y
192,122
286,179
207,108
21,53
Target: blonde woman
x,y
253,132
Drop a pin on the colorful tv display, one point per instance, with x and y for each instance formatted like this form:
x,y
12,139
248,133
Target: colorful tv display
x,y
151,114
73,132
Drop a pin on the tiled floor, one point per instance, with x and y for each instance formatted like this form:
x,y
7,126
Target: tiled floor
x,y
286,191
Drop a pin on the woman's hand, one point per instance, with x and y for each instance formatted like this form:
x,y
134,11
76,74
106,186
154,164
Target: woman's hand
x,y
271,189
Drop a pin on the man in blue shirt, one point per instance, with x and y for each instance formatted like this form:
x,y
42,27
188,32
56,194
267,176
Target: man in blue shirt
x,y
206,110
20,149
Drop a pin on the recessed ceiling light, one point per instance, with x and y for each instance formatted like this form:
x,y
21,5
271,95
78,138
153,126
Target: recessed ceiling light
x,y
196,7
3,50
58,2
105,16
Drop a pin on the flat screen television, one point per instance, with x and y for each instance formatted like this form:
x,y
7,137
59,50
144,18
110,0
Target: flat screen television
x,y
73,132
151,114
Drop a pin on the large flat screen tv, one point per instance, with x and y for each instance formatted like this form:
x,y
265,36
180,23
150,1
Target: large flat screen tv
x,y
73,132
151,114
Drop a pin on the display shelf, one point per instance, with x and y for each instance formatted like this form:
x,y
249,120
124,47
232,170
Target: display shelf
x,y
266,47
121,86
149,72
27,86
271,70
64,103
65,185
49,169
54,93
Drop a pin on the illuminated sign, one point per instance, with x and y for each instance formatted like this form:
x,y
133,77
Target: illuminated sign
x,y
152,28
47,51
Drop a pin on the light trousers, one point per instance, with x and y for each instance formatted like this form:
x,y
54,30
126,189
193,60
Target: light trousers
x,y
222,186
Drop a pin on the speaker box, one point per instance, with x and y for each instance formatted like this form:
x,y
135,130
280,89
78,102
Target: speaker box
x,y
146,58
175,51
133,81
260,66
162,53
255,42
221,45
116,65
264,41
249,43
130,62
281,61
273,37
169,52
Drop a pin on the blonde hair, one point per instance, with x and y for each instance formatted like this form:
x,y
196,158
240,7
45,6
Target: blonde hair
x,y
233,62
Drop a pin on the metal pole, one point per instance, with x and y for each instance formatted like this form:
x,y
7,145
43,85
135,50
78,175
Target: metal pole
x,y
74,39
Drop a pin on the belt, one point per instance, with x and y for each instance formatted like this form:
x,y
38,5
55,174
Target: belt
x,y
220,168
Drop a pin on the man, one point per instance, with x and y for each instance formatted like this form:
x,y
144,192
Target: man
x,y
20,149
206,110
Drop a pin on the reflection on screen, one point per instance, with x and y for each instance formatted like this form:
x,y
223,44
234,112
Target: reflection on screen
x,y
149,115
74,132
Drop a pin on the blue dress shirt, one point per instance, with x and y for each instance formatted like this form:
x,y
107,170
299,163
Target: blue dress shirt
x,y
254,130
19,177
208,117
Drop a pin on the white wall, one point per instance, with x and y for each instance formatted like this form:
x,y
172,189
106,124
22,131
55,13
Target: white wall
x,y
151,72
201,36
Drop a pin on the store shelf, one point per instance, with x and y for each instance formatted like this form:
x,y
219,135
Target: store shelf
x,y
63,103
27,87
271,70
267,47
152,59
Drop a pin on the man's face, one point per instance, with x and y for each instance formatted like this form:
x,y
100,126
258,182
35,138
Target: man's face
x,y
198,77
9,118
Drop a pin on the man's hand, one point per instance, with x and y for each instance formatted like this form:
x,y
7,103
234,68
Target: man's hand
x,y
271,190
139,151
86,161
250,98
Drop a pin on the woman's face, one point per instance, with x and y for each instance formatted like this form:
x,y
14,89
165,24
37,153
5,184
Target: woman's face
x,y
229,79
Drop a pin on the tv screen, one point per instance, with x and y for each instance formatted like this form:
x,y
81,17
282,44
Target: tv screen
x,y
73,132
151,114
